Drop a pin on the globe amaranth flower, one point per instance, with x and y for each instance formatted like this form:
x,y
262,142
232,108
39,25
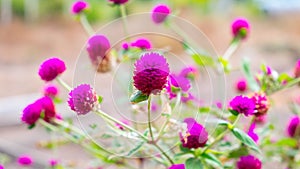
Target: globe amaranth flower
x,y
79,6
151,73
50,90
53,162
262,103
189,72
248,162
48,108
160,13
25,160
251,133
177,166
118,2
82,99
51,68
240,28
177,83
297,69
125,46
98,47
242,105
31,113
293,128
241,85
141,43
195,136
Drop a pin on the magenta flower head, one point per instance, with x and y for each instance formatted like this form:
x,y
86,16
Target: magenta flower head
x,y
125,46
177,166
241,85
151,73
262,103
293,128
82,99
251,133
98,47
118,2
248,162
50,90
79,6
160,13
25,160
51,68
189,72
31,113
142,43
1,166
180,82
297,69
196,135
240,28
48,108
53,162
242,105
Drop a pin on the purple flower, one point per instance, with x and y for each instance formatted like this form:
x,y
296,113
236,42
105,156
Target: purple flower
x,y
53,162
51,68
196,136
240,27
160,13
50,90
118,2
125,46
141,43
251,132
261,103
1,166
25,160
293,127
297,69
248,162
243,105
31,113
186,97
79,6
82,99
177,166
189,72
241,85
98,47
151,72
48,107
177,83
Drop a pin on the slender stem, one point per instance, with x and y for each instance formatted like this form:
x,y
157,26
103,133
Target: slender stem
x,y
64,84
86,25
164,153
231,49
123,14
149,118
290,84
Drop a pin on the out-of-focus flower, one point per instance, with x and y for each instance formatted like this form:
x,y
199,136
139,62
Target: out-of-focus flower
x,y
53,162
243,105
261,103
151,72
241,85
82,99
177,166
1,166
51,68
48,108
240,28
125,46
98,47
186,97
25,160
260,119
141,43
160,13
189,72
293,127
50,90
297,69
79,6
195,136
248,162
118,2
31,113
177,83
252,133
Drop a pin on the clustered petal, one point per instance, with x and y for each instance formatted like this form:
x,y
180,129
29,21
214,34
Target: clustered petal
x,y
79,6
25,160
151,72
50,90
177,166
141,43
51,68
196,135
261,103
241,85
293,127
248,162
240,27
160,13
243,105
82,99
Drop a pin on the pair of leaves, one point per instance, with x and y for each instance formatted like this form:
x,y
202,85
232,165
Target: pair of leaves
x,y
245,139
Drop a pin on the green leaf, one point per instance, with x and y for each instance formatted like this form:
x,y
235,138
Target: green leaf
x,y
138,97
244,138
289,142
193,163
204,109
284,77
136,148
236,153
250,78
100,99
31,126
235,113
57,100
223,122
184,149
203,60
210,158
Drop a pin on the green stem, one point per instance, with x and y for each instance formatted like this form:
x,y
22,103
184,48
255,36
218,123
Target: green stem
x,y
164,153
149,118
231,49
86,25
123,14
290,84
64,84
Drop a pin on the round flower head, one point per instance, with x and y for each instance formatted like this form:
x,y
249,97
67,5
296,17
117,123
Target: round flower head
x,y
293,128
151,72
98,47
240,28
248,162
31,113
125,46
48,107
243,105
142,43
25,160
53,162
177,83
196,136
261,103
82,99
79,6
118,2
177,166
50,90
252,134
51,68
160,13
241,85
189,72
297,69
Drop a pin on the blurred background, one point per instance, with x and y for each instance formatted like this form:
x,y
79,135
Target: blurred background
x,y
33,30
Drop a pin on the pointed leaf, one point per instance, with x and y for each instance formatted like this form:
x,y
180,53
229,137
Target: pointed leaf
x,y
193,163
244,138
138,97
212,159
